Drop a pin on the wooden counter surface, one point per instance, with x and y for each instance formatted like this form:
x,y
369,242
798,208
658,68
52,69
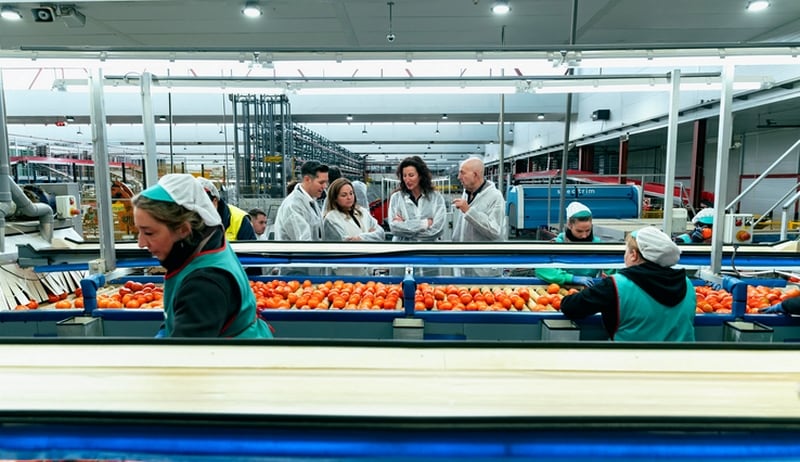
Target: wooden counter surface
x,y
401,381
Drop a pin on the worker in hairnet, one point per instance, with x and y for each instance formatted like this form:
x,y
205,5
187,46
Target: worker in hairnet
x,y
648,300
206,291
235,221
579,229
703,223
479,213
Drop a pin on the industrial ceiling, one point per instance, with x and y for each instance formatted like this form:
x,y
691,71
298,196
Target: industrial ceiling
x,y
337,30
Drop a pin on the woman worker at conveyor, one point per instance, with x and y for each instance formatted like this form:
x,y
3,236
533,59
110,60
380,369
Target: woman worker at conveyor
x,y
648,300
579,229
206,291
703,228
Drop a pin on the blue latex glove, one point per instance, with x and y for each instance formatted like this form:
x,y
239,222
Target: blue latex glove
x,y
774,309
715,286
697,235
583,280
162,333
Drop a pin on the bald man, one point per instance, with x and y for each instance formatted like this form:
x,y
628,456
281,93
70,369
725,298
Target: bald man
x,y
479,214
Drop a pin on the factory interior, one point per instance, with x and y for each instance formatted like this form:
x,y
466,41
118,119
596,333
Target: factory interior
x,y
649,112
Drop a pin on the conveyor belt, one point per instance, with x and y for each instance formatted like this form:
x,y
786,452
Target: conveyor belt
x,y
511,254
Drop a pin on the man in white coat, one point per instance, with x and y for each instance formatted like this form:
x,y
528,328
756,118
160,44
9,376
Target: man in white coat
x,y
479,214
299,217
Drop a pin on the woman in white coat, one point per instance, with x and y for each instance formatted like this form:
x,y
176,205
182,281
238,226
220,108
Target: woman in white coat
x,y
346,220
416,210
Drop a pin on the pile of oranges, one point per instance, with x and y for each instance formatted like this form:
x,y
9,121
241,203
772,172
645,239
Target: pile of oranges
x,y
133,295
372,295
713,301
760,297
329,295
498,298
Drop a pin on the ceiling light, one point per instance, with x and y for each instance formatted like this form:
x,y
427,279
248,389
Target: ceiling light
x,y
500,7
540,116
444,116
10,14
349,117
757,5
252,10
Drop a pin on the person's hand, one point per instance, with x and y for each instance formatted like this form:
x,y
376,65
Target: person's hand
x,y
430,222
583,280
162,333
774,309
715,285
697,235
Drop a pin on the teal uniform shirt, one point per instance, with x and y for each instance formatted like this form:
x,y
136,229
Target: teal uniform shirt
x,y
643,319
245,323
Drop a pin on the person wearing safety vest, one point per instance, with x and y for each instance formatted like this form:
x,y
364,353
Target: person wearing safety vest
x,y
237,225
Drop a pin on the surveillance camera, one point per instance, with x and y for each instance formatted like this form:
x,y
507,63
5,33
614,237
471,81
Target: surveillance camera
x,y
390,37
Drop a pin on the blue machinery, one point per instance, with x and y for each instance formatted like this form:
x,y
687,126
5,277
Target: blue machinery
x,y
530,207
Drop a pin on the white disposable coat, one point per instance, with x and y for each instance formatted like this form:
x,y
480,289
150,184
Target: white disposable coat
x,y
414,223
336,226
484,221
298,218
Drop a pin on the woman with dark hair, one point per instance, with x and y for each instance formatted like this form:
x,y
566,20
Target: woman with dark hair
x,y
206,291
346,220
416,210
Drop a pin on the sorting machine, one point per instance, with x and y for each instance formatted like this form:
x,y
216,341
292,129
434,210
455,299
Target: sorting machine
x,y
533,206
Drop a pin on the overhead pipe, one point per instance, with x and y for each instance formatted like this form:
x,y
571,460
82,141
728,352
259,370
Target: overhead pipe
x,y
6,205
33,209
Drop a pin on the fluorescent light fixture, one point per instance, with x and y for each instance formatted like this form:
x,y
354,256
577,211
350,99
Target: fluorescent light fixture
x,y
540,116
500,7
757,5
10,14
581,87
430,90
252,10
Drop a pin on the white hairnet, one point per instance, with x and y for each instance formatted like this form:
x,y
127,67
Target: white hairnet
x,y
704,216
183,189
578,210
657,247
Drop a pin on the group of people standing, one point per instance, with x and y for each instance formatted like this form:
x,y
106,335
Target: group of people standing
x,y
185,224
416,212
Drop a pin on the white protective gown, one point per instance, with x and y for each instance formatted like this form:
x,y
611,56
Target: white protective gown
x,y
298,218
336,226
414,226
484,221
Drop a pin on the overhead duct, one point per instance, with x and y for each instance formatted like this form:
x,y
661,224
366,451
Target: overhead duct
x,y
33,209
6,205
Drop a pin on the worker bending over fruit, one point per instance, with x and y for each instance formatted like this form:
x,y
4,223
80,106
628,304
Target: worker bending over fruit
x,y
648,300
206,291
579,229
